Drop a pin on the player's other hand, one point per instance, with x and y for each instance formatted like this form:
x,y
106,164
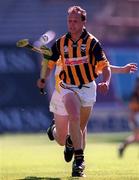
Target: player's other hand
x,y
41,83
130,68
41,86
103,87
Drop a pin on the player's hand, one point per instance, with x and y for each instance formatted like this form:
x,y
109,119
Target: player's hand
x,y
103,87
130,68
47,52
41,86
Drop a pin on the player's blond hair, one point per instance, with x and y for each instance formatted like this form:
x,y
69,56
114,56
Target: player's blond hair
x,y
79,10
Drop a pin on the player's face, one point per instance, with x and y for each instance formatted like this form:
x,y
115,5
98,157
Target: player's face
x,y
75,24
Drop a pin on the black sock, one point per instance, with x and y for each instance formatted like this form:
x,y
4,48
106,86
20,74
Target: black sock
x,y
79,156
78,152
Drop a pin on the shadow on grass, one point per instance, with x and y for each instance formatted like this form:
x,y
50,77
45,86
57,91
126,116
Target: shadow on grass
x,y
39,178
47,178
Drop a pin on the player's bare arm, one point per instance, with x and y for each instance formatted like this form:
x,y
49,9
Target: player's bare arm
x,y
128,68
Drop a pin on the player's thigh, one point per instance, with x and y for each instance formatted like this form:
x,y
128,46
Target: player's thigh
x,y
61,122
72,104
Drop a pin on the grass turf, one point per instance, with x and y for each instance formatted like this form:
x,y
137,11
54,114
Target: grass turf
x,y
34,157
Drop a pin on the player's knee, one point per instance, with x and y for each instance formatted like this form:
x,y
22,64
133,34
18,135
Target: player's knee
x,y
74,117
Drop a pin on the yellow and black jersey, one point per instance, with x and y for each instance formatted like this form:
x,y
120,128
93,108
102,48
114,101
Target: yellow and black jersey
x,y
81,61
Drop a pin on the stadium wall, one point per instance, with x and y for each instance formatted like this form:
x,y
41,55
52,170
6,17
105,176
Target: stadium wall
x,y
23,109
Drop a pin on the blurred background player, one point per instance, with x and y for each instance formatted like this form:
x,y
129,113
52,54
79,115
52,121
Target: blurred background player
x,y
133,119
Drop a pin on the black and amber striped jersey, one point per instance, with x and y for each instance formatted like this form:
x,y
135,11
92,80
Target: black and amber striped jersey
x,y
81,60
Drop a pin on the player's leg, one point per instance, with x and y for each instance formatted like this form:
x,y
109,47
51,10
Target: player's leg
x,y
69,150
130,139
54,131
73,105
137,127
87,100
85,114
58,130
137,135
61,129
134,137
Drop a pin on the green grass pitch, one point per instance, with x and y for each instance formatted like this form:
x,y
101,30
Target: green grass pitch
x,y
34,157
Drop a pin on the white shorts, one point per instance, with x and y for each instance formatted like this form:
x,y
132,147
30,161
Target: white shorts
x,y
86,94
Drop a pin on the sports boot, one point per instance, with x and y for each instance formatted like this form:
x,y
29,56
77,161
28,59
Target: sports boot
x,y
78,167
69,149
50,130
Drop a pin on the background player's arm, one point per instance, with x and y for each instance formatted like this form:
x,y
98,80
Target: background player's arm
x,y
128,68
